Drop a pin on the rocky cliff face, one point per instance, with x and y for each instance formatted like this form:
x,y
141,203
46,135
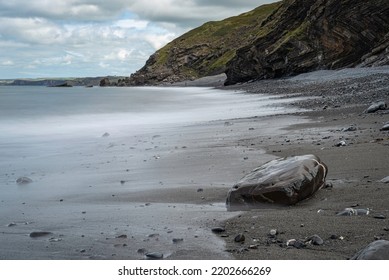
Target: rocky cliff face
x,y
203,51
306,35
281,39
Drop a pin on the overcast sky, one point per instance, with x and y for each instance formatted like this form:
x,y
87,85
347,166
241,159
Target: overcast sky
x,y
79,38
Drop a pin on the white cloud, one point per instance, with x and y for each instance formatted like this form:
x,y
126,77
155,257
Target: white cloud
x,y
95,37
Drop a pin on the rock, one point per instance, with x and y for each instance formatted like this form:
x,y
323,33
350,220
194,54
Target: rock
x,y
315,240
377,250
385,127
341,144
353,212
154,256
177,240
23,181
106,134
350,128
273,233
295,243
123,236
381,105
379,216
37,234
385,180
11,224
218,230
240,238
284,181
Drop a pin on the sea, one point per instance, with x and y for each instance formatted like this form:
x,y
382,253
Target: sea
x,y
97,157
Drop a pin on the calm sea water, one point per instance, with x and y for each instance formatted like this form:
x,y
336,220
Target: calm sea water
x,y
86,185
38,111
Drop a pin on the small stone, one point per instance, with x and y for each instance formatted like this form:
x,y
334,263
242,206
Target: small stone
x,y
240,238
385,127
385,180
334,236
36,234
379,216
273,232
11,224
315,240
154,256
23,181
295,243
142,251
83,251
218,230
105,134
177,240
123,236
200,190
253,247
341,144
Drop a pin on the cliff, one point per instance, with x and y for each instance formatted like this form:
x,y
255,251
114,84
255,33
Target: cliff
x,y
307,35
276,40
203,51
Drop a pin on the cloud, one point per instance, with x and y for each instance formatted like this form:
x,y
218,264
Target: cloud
x,y
95,37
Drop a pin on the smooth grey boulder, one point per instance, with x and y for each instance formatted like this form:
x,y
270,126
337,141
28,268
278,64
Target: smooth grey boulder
x,y
283,181
376,250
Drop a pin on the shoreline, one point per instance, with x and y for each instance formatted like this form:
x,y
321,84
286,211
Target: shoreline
x,y
121,214
354,172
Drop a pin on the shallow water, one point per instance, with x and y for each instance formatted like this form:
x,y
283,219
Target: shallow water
x,y
84,184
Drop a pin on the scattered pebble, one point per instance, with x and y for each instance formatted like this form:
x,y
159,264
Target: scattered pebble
x,y
23,181
385,180
123,236
353,212
36,234
273,233
379,216
315,240
295,243
154,256
106,134
341,144
218,230
240,238
142,251
177,240
11,224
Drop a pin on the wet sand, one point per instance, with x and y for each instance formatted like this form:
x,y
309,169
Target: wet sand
x,y
180,177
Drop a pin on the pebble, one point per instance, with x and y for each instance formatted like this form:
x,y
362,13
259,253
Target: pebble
x,y
341,144
295,243
385,180
36,234
218,230
105,134
240,238
315,240
273,232
353,212
11,224
177,240
154,256
142,251
23,181
123,236
379,216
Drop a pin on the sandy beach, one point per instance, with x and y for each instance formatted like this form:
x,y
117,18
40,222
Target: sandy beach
x,y
195,165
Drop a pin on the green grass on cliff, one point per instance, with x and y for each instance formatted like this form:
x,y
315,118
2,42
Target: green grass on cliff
x,y
214,43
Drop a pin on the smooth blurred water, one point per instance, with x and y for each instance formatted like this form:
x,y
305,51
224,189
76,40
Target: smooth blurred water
x,y
71,112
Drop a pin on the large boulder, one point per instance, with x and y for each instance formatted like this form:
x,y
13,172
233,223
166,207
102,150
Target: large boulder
x,y
284,181
377,250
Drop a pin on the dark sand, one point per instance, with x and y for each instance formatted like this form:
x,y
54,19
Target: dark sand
x,y
354,171
195,166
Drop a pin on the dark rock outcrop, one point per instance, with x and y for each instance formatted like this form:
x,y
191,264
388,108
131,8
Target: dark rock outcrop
x,y
284,181
307,35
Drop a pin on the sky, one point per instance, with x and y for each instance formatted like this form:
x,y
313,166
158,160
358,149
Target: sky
x,y
89,38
